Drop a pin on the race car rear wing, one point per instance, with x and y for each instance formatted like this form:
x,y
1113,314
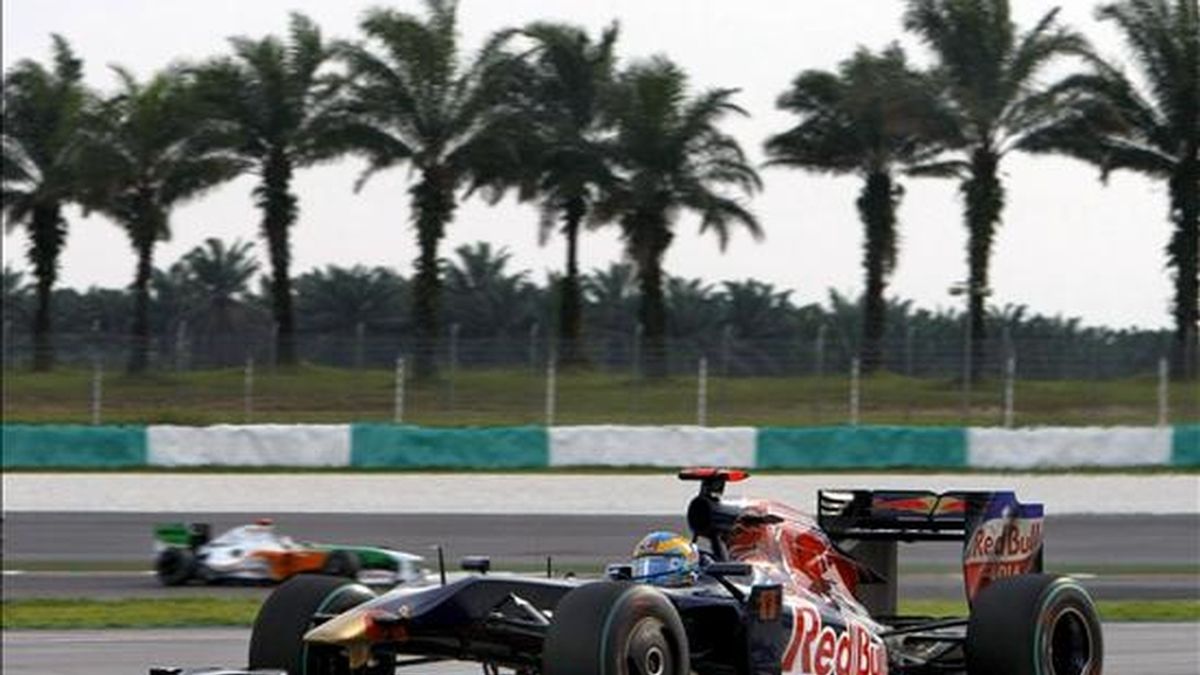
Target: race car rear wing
x,y
1001,536
897,515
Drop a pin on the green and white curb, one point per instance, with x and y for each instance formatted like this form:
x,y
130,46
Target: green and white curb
x,y
383,446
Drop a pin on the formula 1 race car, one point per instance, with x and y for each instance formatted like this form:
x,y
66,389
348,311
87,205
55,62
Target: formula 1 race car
x,y
775,592
185,552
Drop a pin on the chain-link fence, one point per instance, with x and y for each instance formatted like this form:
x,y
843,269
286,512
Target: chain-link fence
x,y
621,379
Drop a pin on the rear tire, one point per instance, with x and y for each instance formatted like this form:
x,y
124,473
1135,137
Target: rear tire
x,y
277,639
1034,624
342,564
175,566
615,627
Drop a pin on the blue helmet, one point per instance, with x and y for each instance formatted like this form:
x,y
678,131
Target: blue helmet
x,y
665,559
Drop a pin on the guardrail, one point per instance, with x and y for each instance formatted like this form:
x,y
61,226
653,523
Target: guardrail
x,y
388,446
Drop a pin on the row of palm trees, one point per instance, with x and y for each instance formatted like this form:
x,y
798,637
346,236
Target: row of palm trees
x,y
545,112
211,308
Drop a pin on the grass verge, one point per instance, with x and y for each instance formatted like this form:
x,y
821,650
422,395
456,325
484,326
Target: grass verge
x,y
504,397
202,611
1150,611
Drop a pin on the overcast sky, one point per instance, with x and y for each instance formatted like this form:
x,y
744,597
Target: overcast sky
x,y
1068,245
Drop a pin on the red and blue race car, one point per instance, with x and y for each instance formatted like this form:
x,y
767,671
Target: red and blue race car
x,y
775,592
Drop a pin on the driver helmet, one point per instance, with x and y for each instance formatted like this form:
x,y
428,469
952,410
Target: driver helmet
x,y
665,559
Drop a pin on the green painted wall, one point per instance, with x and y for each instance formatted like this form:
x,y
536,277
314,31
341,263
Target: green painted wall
x,y
860,447
385,445
53,445
1185,445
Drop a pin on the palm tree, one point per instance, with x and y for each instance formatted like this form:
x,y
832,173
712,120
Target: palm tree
x,y
673,157
1152,129
872,117
568,161
146,156
757,310
44,108
694,312
279,111
338,298
220,273
484,298
990,71
416,103
218,276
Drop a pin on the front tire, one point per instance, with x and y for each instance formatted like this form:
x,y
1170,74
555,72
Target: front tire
x,y
277,639
615,628
175,566
1034,624
342,564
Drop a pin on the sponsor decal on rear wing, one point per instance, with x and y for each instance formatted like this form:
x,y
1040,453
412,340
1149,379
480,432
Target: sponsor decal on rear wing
x,y
1004,539
1001,536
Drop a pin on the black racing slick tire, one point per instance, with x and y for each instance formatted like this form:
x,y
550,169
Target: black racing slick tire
x,y
175,566
342,564
277,639
615,628
1034,624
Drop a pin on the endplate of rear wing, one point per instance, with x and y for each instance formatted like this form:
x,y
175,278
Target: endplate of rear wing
x,y
902,515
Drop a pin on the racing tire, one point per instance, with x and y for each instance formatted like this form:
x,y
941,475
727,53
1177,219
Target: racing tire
x,y
617,628
342,564
277,639
175,566
1034,624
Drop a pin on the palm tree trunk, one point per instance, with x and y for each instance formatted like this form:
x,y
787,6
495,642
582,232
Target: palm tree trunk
x,y
139,349
877,210
570,329
47,234
985,202
279,207
649,242
433,208
1184,255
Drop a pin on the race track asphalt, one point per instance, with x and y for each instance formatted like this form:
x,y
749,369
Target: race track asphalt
x,y
1130,649
1137,556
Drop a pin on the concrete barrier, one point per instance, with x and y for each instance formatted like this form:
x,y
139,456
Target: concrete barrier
x,y
652,446
408,447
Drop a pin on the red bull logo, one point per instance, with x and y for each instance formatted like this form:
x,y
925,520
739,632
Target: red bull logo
x,y
999,548
818,649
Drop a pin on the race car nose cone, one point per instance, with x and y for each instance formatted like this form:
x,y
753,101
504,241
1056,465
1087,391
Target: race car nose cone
x,y
340,630
360,625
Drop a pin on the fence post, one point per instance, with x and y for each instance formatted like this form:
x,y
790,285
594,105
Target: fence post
x,y
7,344
551,386
726,349
855,393
819,351
274,353
181,346
398,411
248,390
1010,383
97,388
360,336
1164,400
637,350
909,335
966,374
533,340
454,329
702,393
